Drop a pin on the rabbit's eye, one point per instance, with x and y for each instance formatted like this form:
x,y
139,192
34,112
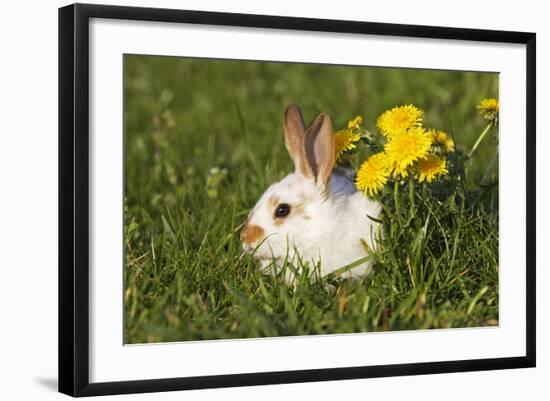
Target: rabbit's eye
x,y
282,210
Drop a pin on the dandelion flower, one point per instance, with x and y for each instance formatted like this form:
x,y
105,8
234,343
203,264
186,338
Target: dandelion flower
x,y
355,123
344,141
373,174
406,148
489,109
442,139
398,120
431,168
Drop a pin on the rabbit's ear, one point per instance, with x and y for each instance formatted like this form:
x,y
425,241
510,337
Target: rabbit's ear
x,y
319,148
294,139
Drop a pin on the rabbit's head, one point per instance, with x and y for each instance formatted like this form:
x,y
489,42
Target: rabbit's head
x,y
296,212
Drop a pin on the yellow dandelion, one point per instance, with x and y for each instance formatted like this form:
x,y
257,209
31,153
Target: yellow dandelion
x,y
355,123
489,109
373,174
430,168
398,120
344,141
490,104
442,139
406,148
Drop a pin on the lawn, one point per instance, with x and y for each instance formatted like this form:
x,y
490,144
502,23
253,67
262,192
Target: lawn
x,y
204,139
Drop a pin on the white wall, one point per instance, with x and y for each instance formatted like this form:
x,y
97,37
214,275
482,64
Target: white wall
x,y
28,203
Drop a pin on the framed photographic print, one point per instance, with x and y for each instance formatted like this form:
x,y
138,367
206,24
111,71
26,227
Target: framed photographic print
x,y
249,199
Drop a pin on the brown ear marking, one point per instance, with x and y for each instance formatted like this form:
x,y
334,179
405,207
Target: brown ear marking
x,y
251,233
294,139
319,148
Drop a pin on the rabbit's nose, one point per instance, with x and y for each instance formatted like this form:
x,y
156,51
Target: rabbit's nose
x,y
251,233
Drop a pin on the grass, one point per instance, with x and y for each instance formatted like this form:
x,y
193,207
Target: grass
x,y
203,140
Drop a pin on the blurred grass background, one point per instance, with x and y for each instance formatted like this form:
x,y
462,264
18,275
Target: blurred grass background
x,y
204,139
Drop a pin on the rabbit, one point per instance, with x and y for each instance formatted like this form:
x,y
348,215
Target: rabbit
x,y
314,214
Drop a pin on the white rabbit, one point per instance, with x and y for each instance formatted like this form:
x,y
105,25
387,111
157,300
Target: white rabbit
x,y
314,214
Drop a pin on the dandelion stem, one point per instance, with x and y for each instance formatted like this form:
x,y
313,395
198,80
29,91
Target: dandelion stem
x,y
479,139
411,195
396,201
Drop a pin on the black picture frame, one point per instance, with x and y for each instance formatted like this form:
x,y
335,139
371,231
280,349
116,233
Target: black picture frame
x,y
74,198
